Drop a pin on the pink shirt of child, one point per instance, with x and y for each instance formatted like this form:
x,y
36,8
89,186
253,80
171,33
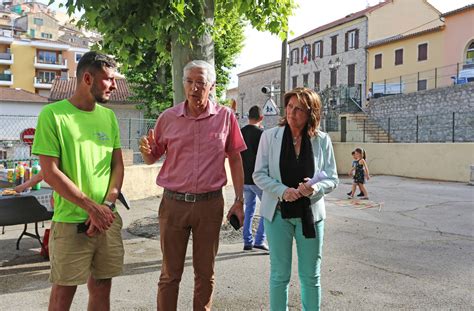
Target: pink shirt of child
x,y
196,147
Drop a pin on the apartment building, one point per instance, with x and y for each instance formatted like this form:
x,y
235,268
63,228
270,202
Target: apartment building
x,y
35,48
38,26
32,65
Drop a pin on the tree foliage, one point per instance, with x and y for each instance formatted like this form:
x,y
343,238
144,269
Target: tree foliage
x,y
151,38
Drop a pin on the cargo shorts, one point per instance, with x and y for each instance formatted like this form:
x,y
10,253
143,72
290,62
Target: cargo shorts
x,y
75,256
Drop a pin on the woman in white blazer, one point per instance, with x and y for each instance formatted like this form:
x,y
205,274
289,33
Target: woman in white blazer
x,y
288,156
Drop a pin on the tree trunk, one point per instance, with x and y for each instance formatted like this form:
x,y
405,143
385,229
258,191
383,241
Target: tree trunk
x,y
197,48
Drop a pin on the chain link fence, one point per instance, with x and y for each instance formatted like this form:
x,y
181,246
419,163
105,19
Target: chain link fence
x,y
12,149
446,127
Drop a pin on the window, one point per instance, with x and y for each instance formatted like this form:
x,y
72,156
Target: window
x,y
317,80
305,80
423,52
399,57
294,57
422,84
352,40
32,33
38,21
46,35
378,61
47,57
351,75
318,49
333,77
334,45
305,53
470,54
294,82
46,76
78,56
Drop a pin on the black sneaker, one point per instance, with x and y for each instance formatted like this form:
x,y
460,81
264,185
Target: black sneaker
x,y
360,194
349,193
262,247
248,247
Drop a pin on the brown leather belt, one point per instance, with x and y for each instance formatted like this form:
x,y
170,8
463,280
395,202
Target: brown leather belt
x,y
192,197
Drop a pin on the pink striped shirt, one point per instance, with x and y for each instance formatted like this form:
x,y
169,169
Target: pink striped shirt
x,y
196,147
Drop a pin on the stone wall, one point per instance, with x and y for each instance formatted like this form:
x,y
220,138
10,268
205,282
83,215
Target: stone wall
x,y
427,116
251,83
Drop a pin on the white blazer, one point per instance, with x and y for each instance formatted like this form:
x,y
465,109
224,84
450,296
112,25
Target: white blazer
x,y
267,171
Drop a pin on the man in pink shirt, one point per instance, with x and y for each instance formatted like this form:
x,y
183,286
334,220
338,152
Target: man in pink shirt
x,y
196,136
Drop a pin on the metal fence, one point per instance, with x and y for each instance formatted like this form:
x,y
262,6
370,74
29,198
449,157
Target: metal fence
x,y
446,127
434,128
458,73
13,150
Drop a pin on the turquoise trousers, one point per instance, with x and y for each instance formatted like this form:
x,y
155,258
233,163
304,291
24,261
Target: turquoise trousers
x,y
280,235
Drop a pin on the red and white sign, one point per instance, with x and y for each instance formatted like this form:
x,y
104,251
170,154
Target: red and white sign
x,y
27,136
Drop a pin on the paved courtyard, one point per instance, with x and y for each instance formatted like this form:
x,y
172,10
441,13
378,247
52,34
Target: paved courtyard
x,y
409,247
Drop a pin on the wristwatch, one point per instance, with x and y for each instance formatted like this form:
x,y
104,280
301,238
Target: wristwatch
x,y
111,205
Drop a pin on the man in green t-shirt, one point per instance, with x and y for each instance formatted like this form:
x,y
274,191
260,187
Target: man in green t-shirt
x,y
78,143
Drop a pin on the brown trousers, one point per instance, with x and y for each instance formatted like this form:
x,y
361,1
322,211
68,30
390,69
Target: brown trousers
x,y
177,220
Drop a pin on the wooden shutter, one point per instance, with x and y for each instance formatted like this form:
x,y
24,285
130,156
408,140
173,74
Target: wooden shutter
x,y
334,45
357,39
313,51
346,42
378,61
333,77
321,49
399,57
423,51
351,75
317,80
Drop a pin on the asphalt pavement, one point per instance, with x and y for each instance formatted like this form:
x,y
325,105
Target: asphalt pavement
x,y
410,247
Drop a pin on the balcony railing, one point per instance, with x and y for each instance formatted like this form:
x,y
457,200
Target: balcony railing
x,y
42,83
50,64
6,59
6,79
6,56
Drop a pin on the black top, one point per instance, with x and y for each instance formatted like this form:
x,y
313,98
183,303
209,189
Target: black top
x,y
293,170
251,134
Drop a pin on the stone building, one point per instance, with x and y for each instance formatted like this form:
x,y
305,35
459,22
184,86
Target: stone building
x,y
334,55
250,87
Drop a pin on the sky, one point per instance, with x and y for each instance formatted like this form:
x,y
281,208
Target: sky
x,y
262,47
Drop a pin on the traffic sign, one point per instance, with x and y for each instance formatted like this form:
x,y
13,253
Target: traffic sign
x,y
270,108
27,136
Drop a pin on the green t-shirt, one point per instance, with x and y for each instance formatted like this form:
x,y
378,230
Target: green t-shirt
x,y
83,141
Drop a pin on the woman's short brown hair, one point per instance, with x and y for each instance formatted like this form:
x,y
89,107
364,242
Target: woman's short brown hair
x,y
312,101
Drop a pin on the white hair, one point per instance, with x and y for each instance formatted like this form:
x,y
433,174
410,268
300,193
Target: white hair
x,y
211,72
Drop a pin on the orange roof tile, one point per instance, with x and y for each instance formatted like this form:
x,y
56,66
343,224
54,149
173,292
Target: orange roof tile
x,y
19,95
65,88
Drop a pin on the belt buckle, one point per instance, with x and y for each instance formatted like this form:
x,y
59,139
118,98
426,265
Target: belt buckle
x,y
189,197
